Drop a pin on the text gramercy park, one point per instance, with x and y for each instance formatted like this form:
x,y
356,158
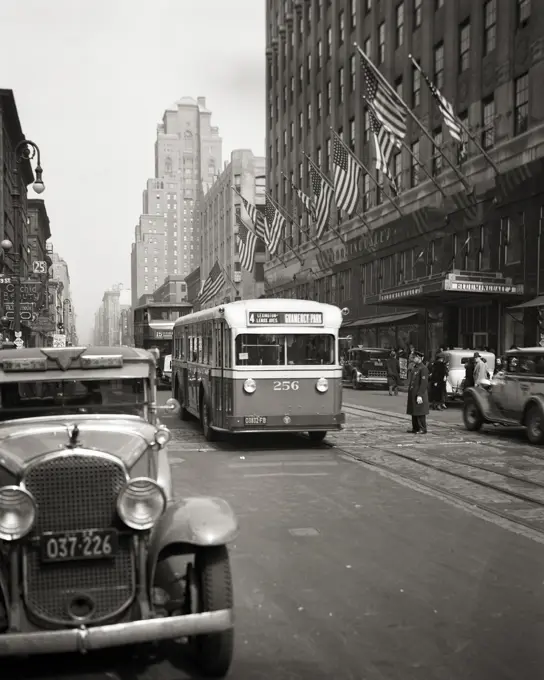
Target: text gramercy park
x,y
302,318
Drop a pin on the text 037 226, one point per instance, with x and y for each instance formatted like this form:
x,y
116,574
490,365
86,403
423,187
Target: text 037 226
x,y
94,544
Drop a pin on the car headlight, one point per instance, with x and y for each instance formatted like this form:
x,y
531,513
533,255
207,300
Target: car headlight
x,y
163,436
140,503
250,386
17,513
322,385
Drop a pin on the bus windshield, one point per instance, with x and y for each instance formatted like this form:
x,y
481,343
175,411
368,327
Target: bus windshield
x,y
254,349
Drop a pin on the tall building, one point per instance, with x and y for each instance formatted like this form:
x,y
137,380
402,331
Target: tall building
x,y
112,327
437,273
219,207
63,314
188,152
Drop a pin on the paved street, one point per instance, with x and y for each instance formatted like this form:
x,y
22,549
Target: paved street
x,y
379,557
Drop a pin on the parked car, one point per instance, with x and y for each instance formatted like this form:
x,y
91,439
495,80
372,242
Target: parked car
x,y
515,395
456,361
95,550
366,366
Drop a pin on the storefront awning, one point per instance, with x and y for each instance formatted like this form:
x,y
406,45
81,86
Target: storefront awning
x,y
389,319
451,288
536,302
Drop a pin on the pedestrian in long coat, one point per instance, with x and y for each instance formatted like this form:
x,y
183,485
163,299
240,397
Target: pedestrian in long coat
x,y
417,404
393,375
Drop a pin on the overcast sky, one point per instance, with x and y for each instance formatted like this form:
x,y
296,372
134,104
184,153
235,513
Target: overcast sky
x,y
92,79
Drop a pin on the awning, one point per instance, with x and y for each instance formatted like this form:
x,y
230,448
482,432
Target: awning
x,y
536,302
384,320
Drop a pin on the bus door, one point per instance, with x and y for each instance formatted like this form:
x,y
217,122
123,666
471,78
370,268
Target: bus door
x,y
217,379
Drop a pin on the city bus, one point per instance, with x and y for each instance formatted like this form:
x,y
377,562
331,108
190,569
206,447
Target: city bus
x,y
266,365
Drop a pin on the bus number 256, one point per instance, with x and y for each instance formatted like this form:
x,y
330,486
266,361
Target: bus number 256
x,y
284,385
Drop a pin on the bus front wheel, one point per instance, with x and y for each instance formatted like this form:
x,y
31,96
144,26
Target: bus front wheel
x,y
316,437
205,419
183,412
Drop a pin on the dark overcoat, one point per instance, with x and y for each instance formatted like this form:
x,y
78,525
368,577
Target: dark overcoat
x,y
418,387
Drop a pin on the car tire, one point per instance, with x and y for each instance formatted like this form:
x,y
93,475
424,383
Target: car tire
x,y
317,436
472,416
534,423
205,420
354,382
213,580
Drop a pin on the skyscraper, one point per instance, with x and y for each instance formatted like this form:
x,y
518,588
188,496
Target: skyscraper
x,y
188,152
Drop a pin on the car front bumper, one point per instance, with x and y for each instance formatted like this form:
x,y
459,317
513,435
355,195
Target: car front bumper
x,y
85,639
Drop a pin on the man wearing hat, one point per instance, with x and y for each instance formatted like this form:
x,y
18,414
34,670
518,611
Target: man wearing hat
x,y
480,369
418,395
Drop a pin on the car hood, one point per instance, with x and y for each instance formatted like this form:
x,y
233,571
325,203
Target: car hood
x,y
126,437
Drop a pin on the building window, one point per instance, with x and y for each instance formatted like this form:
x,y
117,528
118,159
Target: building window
x,y
414,165
301,124
319,105
488,123
352,72
513,244
438,65
340,84
399,24
292,90
416,87
341,28
366,126
521,104
329,42
417,13
367,47
328,155
319,55
381,43
309,69
397,170
437,155
353,15
523,12
398,87
490,26
351,140
366,192
464,46
301,79
438,4
329,98
319,157
368,6
292,135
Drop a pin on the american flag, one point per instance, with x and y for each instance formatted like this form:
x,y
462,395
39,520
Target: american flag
x,y
323,194
247,241
305,200
389,112
257,219
212,285
384,143
275,225
466,203
446,109
347,173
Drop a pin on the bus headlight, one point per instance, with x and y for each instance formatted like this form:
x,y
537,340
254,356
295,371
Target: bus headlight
x,y
250,386
17,513
140,503
322,385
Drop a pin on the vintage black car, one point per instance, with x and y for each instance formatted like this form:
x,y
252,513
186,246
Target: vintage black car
x,y
365,367
95,551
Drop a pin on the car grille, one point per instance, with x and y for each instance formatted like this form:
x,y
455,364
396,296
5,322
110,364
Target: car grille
x,y
77,491
377,374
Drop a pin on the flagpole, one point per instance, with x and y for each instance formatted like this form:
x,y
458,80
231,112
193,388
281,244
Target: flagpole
x,y
366,170
412,154
461,124
452,261
412,115
326,179
299,258
237,294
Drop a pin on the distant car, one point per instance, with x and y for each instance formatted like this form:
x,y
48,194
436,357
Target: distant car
x,y
95,551
515,395
164,372
366,366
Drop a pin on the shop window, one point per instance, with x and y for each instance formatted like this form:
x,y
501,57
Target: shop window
x,y
512,240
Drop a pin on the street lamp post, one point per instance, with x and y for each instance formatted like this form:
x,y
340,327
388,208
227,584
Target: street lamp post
x,y
25,150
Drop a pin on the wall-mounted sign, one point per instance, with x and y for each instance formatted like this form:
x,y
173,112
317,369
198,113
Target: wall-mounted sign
x,y
399,294
285,318
482,287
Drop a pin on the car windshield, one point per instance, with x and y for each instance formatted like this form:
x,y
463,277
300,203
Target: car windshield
x,y
361,356
254,349
26,399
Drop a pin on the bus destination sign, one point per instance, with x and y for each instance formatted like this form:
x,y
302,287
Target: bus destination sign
x,y
285,319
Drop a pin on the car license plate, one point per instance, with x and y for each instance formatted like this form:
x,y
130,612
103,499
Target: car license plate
x,y
90,544
255,420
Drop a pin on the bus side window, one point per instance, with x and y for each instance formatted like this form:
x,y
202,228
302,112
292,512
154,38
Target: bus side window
x,y
218,343
199,342
227,344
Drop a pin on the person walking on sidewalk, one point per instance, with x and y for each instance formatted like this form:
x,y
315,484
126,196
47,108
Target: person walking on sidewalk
x,y
393,374
439,376
417,404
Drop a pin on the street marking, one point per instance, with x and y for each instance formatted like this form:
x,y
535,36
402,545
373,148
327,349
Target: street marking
x,y
322,463
304,532
289,474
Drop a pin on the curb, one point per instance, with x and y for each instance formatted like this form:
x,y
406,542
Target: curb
x,y
381,412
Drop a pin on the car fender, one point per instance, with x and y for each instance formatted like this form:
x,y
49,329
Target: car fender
x,y
197,521
480,396
537,400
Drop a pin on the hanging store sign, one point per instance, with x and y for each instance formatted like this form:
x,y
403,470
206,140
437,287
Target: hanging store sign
x,y
482,287
399,294
285,318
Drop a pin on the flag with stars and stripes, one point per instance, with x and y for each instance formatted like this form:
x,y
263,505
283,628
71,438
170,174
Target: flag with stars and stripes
x,y
446,109
347,173
212,285
305,200
275,225
247,242
323,194
388,111
384,144
257,219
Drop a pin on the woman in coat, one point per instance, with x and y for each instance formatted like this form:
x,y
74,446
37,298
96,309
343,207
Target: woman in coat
x,y
417,404
393,376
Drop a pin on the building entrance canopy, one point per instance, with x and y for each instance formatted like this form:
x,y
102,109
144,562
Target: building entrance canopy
x,y
449,289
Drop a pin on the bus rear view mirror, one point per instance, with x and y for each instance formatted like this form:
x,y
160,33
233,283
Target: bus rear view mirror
x,y
172,407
